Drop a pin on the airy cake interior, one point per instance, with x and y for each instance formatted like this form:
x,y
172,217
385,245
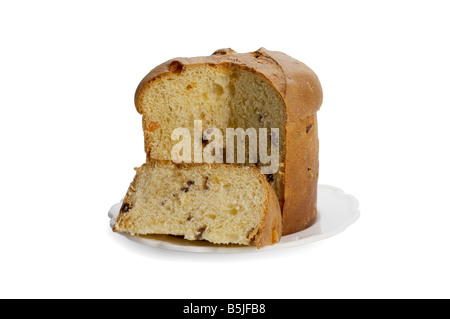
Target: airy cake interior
x,y
222,204
222,96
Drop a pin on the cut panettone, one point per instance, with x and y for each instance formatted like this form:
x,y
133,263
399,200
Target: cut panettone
x,y
219,203
261,89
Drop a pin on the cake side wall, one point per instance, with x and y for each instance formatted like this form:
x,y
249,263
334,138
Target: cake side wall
x,y
301,175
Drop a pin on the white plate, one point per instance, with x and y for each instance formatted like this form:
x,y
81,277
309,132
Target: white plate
x,y
335,212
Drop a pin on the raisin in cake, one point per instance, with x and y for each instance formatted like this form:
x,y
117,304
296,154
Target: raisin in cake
x,y
261,89
220,203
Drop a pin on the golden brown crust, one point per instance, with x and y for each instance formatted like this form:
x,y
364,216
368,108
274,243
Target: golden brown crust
x,y
301,174
271,226
269,230
301,92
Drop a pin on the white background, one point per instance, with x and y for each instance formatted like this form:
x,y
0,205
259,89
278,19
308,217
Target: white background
x,y
70,138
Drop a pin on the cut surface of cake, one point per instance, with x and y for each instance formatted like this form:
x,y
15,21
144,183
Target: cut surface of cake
x,y
219,203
